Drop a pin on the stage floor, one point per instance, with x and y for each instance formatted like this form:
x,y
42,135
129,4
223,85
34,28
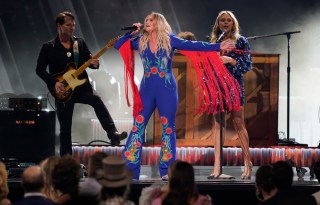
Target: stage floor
x,y
151,174
222,191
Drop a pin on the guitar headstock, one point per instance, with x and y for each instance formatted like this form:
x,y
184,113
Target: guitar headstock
x,y
113,41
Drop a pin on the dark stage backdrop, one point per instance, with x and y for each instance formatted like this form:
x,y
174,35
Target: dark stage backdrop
x,y
26,24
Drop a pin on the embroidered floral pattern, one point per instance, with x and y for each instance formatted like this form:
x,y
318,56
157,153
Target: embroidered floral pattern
x,y
161,68
164,120
168,130
154,70
162,74
134,147
166,150
146,64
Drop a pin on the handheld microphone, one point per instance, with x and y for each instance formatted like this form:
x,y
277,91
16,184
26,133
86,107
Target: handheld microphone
x,y
219,39
133,28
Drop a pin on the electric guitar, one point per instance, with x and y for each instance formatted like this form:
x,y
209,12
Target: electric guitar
x,y
69,77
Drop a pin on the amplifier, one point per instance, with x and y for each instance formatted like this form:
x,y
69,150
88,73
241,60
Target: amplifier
x,y
25,104
15,172
27,136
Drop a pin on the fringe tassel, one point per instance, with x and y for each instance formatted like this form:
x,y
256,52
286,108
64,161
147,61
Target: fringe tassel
x,y
218,91
128,56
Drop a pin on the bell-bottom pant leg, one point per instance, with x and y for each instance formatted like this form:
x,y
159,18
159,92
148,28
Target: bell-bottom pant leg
x,y
133,149
167,106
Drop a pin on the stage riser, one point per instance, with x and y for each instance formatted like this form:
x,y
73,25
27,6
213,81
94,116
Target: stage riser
x,y
204,156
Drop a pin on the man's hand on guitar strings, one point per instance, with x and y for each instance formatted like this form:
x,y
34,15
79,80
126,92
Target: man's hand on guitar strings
x,y
59,87
94,62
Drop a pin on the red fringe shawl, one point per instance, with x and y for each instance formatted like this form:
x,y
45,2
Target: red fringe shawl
x,y
218,90
128,56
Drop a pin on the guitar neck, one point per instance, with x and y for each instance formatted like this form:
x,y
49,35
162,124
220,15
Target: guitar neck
x,y
96,56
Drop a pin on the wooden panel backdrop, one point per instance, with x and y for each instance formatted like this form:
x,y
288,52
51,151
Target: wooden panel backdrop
x,y
261,109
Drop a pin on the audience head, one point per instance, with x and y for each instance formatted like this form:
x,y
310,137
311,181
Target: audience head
x,y
283,175
95,163
4,190
47,166
187,36
182,188
273,178
32,179
115,178
264,181
316,170
66,175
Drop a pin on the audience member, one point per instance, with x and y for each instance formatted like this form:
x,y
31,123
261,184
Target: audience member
x,y
181,188
32,184
47,166
274,186
316,171
4,190
65,179
115,179
91,187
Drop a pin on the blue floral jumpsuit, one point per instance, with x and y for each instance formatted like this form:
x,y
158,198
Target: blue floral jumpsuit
x,y
157,89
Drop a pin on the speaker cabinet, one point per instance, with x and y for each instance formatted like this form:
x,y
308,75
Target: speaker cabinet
x,y
27,136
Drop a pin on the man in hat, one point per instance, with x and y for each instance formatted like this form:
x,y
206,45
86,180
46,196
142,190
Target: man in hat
x,y
115,179
91,187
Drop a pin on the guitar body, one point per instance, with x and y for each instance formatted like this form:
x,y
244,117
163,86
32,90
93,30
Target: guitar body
x,y
70,82
69,78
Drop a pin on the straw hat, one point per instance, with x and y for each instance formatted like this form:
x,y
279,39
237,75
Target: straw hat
x,y
114,173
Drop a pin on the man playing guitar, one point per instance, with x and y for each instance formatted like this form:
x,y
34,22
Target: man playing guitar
x,y
64,51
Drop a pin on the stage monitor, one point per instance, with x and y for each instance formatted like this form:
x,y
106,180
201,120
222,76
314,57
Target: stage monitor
x,y
27,136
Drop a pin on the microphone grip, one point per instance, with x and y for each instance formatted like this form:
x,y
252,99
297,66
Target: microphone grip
x,y
133,28
221,37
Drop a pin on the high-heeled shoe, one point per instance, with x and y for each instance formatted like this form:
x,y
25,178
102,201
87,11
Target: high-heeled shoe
x,y
213,176
216,172
247,171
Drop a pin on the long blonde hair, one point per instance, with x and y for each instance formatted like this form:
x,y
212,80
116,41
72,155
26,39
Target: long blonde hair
x,y
216,30
47,166
4,190
163,33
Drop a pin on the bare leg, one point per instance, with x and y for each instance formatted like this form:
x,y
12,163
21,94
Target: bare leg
x,y
217,143
239,125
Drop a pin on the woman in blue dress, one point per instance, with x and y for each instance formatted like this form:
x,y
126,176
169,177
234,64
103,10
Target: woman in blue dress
x,y
158,89
238,62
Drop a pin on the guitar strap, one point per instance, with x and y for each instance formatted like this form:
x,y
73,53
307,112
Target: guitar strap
x,y
76,52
